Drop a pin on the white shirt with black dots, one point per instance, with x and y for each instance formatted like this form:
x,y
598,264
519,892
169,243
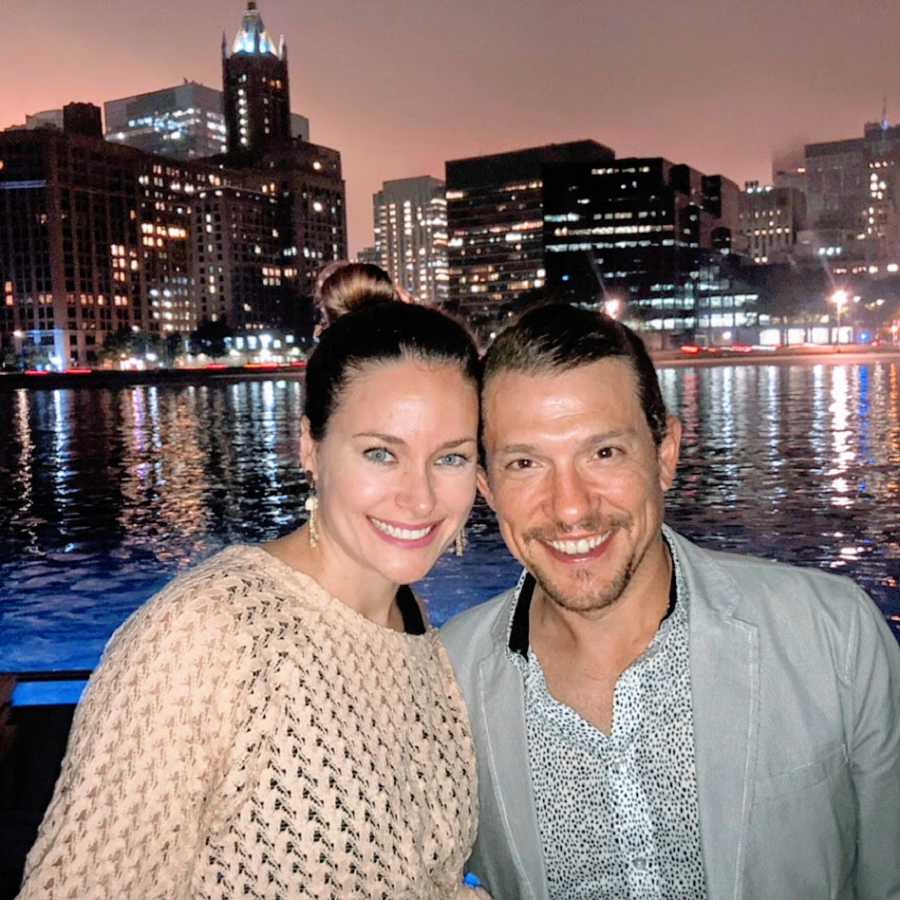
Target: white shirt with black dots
x,y
618,813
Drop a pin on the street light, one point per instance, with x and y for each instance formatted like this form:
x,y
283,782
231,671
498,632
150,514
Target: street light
x,y
839,298
612,307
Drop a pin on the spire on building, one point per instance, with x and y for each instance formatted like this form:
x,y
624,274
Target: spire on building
x,y
253,38
884,118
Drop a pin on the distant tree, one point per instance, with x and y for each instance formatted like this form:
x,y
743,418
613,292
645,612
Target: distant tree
x,y
125,341
172,347
210,338
9,359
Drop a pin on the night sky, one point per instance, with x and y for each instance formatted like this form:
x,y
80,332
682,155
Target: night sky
x,y
399,87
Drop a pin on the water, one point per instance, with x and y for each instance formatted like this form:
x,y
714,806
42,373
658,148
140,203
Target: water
x,y
106,493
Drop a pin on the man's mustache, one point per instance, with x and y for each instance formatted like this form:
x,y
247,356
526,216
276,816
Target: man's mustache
x,y
593,525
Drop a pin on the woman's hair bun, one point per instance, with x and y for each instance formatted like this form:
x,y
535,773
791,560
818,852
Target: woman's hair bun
x,y
342,287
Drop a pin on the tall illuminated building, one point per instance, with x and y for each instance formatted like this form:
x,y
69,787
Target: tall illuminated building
x,y
495,222
257,93
411,235
183,122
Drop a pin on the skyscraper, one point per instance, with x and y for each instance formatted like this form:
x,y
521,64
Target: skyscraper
x,y
411,235
495,221
263,155
257,92
651,238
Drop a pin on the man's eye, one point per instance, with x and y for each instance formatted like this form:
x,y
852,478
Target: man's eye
x,y
519,465
452,459
379,455
608,452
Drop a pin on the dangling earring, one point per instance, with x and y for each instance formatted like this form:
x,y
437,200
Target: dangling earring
x,y
311,505
460,542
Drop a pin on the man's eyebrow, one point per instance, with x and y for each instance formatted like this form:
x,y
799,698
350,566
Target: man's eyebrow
x,y
598,438
517,448
610,435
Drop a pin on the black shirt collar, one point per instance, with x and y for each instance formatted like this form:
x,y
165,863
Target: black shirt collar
x,y
410,612
518,632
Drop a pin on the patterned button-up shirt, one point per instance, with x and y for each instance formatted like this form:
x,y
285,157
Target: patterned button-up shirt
x,y
617,813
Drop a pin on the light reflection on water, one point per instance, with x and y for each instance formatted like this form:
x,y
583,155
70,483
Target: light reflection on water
x,y
104,494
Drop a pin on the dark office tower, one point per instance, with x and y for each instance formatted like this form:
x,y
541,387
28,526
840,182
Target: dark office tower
x,y
495,220
651,240
83,119
257,96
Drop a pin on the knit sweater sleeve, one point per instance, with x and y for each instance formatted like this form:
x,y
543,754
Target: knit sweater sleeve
x,y
145,753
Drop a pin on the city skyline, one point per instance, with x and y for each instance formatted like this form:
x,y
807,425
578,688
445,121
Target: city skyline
x,y
399,89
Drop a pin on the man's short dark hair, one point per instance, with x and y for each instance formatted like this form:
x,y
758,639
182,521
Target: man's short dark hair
x,y
557,337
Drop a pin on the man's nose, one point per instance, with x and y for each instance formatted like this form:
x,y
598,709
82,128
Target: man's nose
x,y
570,499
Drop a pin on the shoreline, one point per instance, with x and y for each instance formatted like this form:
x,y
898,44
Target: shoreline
x,y
662,359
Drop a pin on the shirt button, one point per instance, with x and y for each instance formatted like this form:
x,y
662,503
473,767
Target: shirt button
x,y
640,864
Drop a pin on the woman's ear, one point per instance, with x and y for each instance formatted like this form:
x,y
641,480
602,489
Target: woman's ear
x,y
308,448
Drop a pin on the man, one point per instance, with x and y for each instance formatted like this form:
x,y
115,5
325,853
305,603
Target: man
x,y
653,719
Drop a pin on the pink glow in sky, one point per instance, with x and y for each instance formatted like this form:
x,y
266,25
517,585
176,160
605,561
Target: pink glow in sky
x,y
399,86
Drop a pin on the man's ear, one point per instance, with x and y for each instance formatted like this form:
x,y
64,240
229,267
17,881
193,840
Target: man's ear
x,y
308,448
484,487
668,452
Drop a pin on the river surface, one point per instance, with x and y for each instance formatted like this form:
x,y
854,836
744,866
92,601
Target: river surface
x,y
106,493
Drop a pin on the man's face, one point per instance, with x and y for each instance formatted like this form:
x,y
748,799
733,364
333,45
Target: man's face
x,y
575,478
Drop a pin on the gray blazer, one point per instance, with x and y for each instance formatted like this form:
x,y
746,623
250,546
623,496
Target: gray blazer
x,y
795,681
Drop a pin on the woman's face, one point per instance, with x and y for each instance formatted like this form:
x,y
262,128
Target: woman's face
x,y
395,472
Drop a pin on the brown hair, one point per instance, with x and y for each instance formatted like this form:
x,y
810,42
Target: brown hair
x,y
368,323
344,286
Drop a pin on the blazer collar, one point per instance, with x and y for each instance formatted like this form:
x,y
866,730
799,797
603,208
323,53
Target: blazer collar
x,y
724,663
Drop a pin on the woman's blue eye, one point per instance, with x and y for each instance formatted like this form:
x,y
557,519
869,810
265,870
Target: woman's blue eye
x,y
453,459
379,455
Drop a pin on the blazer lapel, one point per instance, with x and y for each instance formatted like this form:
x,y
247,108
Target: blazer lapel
x,y
502,708
725,695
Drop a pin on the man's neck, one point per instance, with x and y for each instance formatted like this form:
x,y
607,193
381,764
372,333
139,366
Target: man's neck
x,y
620,631
583,656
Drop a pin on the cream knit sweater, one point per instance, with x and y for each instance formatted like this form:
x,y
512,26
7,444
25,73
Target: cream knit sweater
x,y
247,735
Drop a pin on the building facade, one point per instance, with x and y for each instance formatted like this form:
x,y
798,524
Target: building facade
x,y
240,271
186,122
650,241
410,226
771,220
367,255
853,197
182,122
495,221
94,238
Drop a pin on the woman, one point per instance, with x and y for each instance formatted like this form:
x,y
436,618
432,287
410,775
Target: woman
x,y
279,722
